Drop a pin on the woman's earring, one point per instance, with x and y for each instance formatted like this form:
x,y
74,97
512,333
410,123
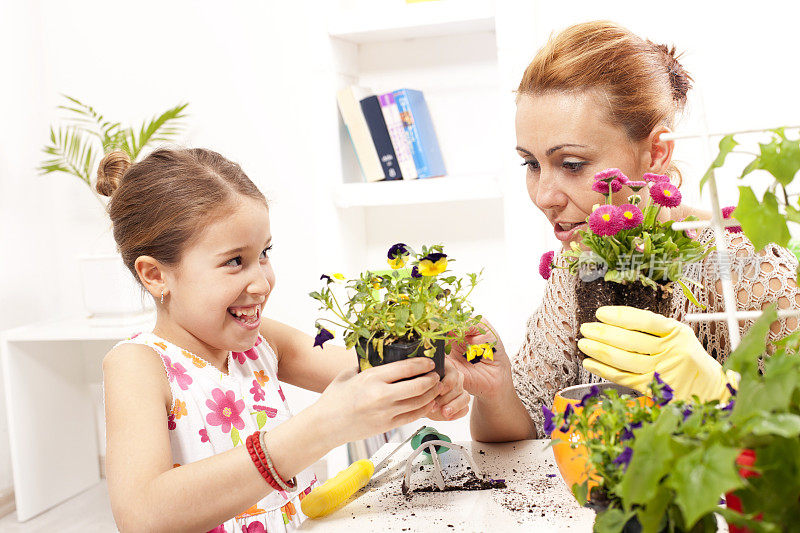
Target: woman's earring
x,y
162,296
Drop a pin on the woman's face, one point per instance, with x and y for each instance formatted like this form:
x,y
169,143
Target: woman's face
x,y
564,140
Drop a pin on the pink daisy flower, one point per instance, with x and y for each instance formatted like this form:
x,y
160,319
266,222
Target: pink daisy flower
x,y
225,409
636,185
726,213
666,194
546,264
203,435
606,220
631,216
602,186
255,527
176,372
257,391
611,174
655,178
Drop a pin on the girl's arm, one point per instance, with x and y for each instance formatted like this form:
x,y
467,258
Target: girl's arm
x,y
149,493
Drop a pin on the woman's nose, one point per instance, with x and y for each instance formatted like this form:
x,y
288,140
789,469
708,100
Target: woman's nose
x,y
548,193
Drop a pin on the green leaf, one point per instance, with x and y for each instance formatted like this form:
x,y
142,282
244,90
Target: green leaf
x,y
261,419
762,222
699,477
726,144
652,515
781,158
581,492
235,436
689,296
744,359
611,521
782,424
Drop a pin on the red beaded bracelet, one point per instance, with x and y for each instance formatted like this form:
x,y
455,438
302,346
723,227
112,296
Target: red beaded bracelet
x,y
254,455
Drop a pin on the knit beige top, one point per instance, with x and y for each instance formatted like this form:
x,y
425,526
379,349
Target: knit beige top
x,y
548,360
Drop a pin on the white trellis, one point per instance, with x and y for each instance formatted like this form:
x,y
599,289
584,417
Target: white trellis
x,y
731,313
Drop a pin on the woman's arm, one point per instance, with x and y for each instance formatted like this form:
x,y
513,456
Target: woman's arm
x,y
149,493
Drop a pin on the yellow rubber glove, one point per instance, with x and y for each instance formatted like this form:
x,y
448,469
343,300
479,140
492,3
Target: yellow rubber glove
x,y
629,345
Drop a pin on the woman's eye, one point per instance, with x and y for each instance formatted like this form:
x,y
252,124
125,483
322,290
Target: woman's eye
x,y
236,261
531,164
573,166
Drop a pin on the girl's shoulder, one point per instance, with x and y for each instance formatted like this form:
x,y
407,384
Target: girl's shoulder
x,y
138,367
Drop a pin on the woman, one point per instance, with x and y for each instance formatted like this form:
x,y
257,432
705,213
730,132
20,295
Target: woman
x,y
596,97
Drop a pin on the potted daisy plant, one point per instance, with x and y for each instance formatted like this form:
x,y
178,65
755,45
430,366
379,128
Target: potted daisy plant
x,y
415,309
627,256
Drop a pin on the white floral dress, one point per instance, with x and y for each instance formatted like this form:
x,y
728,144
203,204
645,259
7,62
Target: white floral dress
x,y
213,412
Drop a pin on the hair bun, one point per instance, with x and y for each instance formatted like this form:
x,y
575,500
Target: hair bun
x,y
679,79
109,174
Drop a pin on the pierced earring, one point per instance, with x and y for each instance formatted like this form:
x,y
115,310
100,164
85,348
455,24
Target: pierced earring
x,y
162,296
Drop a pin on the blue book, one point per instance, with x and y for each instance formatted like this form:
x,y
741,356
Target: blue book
x,y
419,127
371,108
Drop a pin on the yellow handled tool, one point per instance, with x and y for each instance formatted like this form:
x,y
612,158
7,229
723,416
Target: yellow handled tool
x,y
323,500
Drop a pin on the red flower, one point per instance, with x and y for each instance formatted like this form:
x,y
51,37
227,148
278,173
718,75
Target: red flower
x,y
171,422
546,264
606,220
203,435
666,194
271,411
225,409
255,527
726,213
631,216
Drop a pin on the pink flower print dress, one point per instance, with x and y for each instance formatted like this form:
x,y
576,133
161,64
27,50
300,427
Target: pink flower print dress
x,y
213,412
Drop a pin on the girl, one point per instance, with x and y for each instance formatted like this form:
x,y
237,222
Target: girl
x,y
595,97
199,436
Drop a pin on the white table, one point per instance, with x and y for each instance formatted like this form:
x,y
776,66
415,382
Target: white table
x,y
51,417
536,499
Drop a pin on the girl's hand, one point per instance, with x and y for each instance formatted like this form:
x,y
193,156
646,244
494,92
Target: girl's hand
x,y
358,405
453,401
486,379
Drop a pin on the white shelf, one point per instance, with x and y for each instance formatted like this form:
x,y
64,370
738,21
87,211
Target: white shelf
x,y
411,21
419,191
82,329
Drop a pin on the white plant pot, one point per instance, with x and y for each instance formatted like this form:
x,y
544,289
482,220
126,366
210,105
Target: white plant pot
x,y
109,290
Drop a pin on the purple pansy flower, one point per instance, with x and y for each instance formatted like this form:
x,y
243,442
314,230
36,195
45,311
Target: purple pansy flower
x,y
624,458
593,391
606,220
546,264
567,412
731,389
666,194
323,336
549,425
666,390
397,250
687,413
415,272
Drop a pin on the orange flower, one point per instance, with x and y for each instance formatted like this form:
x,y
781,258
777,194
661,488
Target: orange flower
x,y
161,345
196,361
252,511
179,409
261,377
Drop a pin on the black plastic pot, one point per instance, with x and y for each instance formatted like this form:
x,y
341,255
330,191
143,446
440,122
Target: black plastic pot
x,y
399,351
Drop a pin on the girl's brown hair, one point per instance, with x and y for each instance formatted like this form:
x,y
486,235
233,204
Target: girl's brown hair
x,y
161,204
642,83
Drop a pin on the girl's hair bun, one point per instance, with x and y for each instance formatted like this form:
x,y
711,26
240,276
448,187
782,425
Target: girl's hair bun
x,y
679,79
109,174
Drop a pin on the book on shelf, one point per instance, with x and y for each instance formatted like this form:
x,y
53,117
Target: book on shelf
x,y
350,109
397,132
371,108
421,134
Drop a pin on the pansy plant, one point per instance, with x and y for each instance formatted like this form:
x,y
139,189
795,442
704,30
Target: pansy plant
x,y
417,300
627,243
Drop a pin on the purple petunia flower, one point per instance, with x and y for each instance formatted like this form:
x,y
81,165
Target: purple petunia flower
x,y
397,250
415,272
665,194
726,213
602,186
323,336
729,405
606,220
546,264
655,178
593,392
666,390
567,412
549,425
687,413
631,216
627,434
624,458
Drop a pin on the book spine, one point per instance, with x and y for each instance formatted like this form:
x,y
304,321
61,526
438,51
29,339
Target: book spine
x,y
391,115
427,133
359,134
371,108
412,132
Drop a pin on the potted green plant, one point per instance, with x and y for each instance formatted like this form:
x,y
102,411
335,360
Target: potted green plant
x,y
76,146
413,310
627,256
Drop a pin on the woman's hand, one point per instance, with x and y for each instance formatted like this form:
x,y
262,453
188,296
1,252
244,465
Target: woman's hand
x,y
453,400
486,379
357,405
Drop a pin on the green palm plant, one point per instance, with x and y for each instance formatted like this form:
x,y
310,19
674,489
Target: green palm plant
x,y
75,146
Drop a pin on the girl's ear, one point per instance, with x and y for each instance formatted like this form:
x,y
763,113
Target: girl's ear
x,y
152,275
658,153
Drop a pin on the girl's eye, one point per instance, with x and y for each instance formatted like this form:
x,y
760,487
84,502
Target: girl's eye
x,y
532,164
573,166
265,250
236,261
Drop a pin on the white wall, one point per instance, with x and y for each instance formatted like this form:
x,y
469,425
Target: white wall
x,y
256,76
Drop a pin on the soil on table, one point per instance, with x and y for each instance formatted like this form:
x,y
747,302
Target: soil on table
x,y
467,481
594,294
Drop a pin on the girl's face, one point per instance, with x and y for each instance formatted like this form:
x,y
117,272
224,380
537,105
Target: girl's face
x,y
218,290
564,140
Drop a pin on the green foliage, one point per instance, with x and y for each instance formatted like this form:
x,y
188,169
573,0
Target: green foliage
x,y
76,146
684,454
395,305
764,220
